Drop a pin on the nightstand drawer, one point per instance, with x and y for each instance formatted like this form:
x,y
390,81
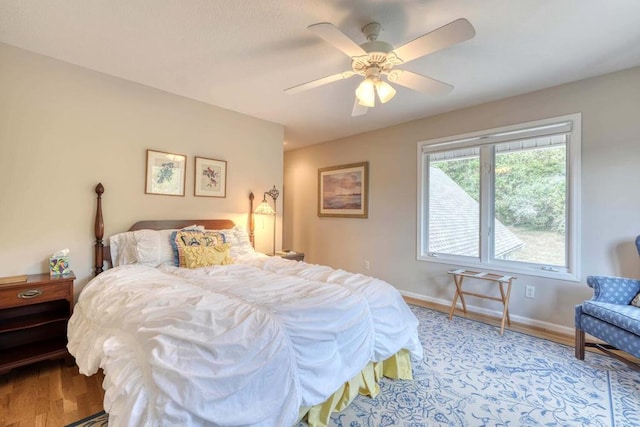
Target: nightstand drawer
x,y
28,294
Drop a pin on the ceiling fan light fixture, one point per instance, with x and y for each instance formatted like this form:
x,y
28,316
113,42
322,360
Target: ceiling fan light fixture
x,y
366,103
385,91
366,93
375,59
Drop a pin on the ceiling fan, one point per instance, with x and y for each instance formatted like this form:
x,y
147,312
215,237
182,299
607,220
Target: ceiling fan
x,y
375,59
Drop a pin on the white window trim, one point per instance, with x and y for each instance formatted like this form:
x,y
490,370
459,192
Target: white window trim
x,y
491,136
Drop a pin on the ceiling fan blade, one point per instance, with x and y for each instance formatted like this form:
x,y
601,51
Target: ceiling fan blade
x,y
438,39
419,82
331,34
358,109
315,83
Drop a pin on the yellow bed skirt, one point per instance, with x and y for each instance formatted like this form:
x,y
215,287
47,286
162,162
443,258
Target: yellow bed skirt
x,y
366,382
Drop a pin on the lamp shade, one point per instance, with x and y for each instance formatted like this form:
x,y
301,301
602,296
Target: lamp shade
x,y
264,208
385,91
366,93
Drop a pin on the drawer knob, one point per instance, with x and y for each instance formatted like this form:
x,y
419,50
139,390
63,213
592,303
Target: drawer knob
x,y
30,293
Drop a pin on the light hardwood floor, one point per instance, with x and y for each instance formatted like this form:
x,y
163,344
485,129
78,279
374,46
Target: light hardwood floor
x,y
50,394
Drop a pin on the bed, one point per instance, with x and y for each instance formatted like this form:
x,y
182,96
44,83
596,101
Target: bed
x,y
241,339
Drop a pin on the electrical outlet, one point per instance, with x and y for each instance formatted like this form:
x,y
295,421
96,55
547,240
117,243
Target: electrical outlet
x,y
530,291
366,264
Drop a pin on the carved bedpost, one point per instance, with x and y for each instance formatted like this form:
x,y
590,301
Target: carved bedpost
x,y
251,223
99,232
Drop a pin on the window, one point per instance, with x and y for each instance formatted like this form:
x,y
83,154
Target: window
x,y
504,199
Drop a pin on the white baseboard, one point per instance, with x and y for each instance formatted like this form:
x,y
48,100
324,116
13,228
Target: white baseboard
x,y
480,310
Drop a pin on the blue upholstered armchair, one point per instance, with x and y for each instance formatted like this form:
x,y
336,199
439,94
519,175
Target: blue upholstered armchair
x,y
609,316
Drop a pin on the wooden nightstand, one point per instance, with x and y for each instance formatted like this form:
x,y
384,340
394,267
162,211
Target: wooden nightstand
x,y
291,255
33,320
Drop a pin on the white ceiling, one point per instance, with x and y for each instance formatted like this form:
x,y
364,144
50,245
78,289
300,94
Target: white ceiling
x,y
242,54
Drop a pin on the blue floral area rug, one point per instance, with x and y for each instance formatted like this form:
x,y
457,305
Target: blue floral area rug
x,y
472,376
101,419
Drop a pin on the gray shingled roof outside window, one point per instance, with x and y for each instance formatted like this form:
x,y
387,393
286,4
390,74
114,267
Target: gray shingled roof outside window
x,y
454,221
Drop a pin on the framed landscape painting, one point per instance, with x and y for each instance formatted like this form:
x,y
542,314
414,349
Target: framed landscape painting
x,y
165,173
211,177
343,191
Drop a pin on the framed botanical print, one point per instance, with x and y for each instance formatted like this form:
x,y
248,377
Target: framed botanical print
x,y
165,173
343,191
210,177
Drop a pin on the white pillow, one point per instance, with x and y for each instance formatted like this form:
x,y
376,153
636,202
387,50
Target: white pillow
x,y
147,247
123,249
238,241
153,247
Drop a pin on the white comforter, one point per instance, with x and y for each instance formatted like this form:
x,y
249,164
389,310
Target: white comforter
x,y
240,345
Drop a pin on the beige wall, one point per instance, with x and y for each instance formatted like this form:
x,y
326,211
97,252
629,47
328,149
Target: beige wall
x,y
610,200
64,128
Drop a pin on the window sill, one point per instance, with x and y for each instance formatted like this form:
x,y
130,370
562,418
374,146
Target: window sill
x,y
503,267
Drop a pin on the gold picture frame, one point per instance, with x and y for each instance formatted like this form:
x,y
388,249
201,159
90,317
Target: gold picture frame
x,y
210,178
165,173
343,191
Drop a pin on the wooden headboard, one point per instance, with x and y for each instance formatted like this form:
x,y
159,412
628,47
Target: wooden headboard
x,y
102,252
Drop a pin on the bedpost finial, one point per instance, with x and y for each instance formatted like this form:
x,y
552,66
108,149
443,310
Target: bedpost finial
x,y
99,189
251,197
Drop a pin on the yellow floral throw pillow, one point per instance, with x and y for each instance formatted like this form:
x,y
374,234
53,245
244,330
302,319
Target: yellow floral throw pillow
x,y
204,256
195,249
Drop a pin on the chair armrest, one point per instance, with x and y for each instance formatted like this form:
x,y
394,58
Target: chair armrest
x,y
614,290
